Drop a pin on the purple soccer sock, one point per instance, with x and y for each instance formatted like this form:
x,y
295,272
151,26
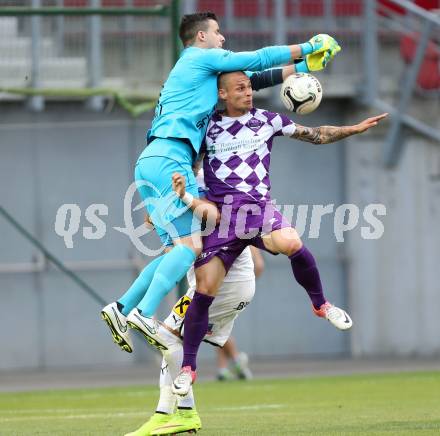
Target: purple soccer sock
x,y
307,275
196,326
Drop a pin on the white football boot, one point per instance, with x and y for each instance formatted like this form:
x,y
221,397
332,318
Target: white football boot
x,y
182,383
336,316
117,323
149,328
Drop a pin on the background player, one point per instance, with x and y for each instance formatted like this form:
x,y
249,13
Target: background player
x,y
239,142
186,103
230,361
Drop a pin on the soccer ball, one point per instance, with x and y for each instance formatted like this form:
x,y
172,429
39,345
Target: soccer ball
x,y
301,93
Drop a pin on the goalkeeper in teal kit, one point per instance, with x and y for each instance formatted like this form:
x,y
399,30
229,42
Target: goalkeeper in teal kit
x,y
185,105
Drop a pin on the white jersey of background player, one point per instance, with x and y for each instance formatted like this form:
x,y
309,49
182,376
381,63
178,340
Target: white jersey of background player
x,y
235,294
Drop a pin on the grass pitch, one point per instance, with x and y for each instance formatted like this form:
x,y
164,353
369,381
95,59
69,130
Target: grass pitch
x,y
392,404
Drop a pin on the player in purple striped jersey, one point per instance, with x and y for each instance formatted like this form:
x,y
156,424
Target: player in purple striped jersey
x,y
238,146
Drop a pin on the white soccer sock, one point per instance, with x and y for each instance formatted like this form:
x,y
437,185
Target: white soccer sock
x,y
174,357
171,365
167,400
169,372
165,376
187,400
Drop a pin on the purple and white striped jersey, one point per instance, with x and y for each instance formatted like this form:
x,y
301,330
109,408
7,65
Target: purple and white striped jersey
x,y
237,156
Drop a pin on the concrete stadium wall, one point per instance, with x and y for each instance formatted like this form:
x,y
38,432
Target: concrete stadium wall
x,y
393,282
60,156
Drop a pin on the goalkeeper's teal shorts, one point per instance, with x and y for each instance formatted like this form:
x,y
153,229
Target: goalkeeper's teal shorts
x,y
172,219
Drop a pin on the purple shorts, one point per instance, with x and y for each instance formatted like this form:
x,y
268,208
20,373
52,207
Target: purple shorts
x,y
238,229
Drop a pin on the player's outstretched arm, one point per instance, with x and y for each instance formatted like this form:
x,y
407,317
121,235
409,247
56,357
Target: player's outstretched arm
x,y
276,76
220,60
328,134
321,61
204,209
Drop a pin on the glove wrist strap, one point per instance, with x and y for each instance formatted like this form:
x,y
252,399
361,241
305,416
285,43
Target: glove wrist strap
x,y
301,67
306,48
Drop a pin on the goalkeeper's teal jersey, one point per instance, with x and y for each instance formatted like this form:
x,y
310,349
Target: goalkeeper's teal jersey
x,y
189,95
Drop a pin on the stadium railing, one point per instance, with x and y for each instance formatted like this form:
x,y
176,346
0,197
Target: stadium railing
x,y
412,69
122,50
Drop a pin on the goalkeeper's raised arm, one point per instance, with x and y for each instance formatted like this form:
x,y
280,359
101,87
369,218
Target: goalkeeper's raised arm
x,y
189,95
316,53
276,76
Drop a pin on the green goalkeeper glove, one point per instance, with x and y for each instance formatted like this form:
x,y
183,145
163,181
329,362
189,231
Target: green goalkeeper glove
x,y
315,61
320,43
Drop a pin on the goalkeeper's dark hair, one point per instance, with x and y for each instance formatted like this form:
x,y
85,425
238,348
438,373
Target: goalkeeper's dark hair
x,y
193,23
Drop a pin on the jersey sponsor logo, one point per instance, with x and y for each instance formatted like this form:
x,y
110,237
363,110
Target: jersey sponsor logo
x,y
181,306
200,124
242,305
241,146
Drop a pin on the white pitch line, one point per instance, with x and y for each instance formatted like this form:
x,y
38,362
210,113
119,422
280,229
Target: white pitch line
x,y
120,414
57,411
83,416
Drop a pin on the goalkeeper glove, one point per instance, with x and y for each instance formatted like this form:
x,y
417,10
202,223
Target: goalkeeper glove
x,y
314,62
320,43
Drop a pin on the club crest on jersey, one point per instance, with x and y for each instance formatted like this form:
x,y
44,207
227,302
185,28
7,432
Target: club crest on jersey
x,y
214,131
254,124
181,306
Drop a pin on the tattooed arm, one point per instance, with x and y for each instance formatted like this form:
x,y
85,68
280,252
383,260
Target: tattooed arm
x,y
327,134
